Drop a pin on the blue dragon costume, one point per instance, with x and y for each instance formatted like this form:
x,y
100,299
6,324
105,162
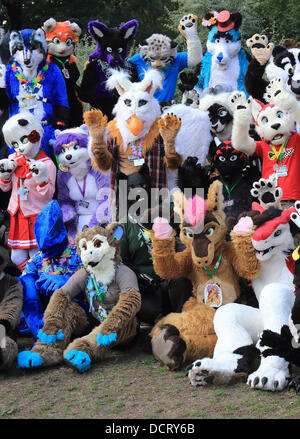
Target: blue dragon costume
x,y
225,62
44,95
49,269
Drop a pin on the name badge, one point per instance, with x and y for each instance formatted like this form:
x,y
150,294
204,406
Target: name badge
x,y
27,101
138,162
23,193
281,170
228,203
84,203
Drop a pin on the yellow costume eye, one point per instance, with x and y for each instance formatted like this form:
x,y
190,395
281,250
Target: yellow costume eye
x,y
56,40
209,231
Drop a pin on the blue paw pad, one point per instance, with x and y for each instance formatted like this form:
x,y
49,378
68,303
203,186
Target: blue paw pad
x,y
29,359
79,359
50,339
105,340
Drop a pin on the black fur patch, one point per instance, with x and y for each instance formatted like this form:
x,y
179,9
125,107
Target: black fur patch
x,y
23,122
249,354
266,216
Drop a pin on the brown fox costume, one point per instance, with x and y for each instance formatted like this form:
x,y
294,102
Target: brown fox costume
x,y
112,292
213,267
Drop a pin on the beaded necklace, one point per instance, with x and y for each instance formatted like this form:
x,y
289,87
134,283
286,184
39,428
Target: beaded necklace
x,y
29,85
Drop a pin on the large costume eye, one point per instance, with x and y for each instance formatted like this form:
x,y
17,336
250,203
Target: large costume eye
x,y
277,233
97,243
69,42
279,114
222,159
63,150
56,40
127,102
289,68
222,112
233,158
209,231
109,49
15,145
188,234
142,102
120,49
227,41
75,147
24,140
217,40
265,120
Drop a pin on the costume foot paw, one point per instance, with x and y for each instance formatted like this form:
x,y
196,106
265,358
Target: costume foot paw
x,y
28,360
50,338
210,371
188,26
267,192
268,378
294,382
105,340
198,374
260,48
168,347
78,359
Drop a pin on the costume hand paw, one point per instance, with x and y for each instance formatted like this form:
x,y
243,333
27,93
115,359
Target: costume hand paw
x,y
96,122
244,226
260,48
39,171
50,338
7,167
188,27
162,228
105,340
277,95
267,192
241,107
169,126
2,75
295,217
47,284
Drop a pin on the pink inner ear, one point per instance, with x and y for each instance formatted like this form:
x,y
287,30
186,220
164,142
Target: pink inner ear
x,y
148,89
195,210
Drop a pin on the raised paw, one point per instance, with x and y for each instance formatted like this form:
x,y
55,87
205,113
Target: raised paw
x,y
78,359
190,98
50,338
7,167
238,101
105,340
29,360
273,90
267,192
188,26
294,382
268,378
168,127
260,48
168,347
39,171
94,117
295,217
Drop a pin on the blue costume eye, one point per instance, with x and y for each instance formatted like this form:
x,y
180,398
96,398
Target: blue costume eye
x,y
142,102
127,102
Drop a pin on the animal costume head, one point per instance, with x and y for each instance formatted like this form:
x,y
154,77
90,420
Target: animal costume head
x,y
272,124
273,233
158,51
203,227
224,38
71,147
285,63
112,42
24,133
99,249
136,109
229,161
28,48
220,114
61,37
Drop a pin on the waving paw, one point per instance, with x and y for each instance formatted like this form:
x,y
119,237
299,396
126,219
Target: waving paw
x,y
7,167
267,192
260,48
188,26
39,171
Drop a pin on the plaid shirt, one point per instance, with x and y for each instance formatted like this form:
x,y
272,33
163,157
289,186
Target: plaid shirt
x,y
154,159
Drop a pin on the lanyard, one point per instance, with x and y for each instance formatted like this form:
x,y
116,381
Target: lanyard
x,y
101,292
61,62
211,273
278,155
82,191
229,190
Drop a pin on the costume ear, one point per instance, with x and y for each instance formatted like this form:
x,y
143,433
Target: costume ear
x,y
76,29
237,18
116,231
49,25
120,80
40,33
278,49
179,203
143,44
129,29
57,133
15,34
215,199
152,80
97,30
173,44
256,106
217,141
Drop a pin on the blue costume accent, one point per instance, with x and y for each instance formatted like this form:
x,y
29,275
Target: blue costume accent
x,y
105,340
49,269
206,63
170,73
79,359
29,359
52,95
